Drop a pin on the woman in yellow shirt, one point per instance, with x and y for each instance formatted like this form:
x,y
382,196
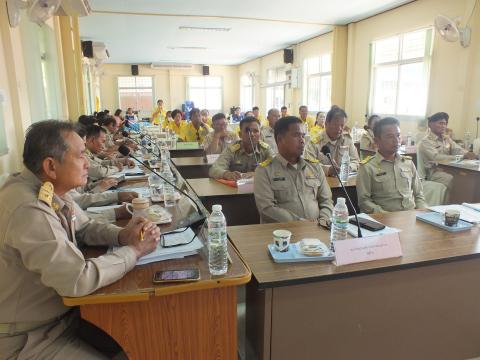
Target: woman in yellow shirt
x,y
319,124
206,119
177,124
158,114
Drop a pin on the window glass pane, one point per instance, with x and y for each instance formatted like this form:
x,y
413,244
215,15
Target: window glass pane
x,y
213,99
143,81
313,65
246,97
386,50
326,62
196,81
281,76
127,98
126,81
385,88
198,97
246,80
213,81
412,94
271,76
144,100
325,92
313,100
414,44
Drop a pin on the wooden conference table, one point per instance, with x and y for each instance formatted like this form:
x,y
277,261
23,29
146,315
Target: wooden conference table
x,y
172,321
423,305
466,181
193,167
239,207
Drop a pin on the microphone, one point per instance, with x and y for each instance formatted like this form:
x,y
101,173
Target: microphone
x,y
326,151
194,219
249,131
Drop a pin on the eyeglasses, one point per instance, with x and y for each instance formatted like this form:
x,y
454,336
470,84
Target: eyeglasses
x,y
166,245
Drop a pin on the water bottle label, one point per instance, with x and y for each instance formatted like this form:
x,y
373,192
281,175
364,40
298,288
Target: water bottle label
x,y
216,235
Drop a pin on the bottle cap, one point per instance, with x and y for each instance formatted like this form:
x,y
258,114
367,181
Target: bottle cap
x,y
341,201
217,207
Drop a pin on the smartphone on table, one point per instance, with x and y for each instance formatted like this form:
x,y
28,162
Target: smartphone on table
x,y
367,224
183,275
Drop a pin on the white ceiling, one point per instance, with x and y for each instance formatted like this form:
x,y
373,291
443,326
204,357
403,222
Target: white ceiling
x,y
146,31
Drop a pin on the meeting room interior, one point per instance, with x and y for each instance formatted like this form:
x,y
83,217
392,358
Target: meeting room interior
x,y
239,180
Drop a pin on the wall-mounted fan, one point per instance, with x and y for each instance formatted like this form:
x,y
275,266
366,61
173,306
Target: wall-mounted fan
x,y
42,10
451,31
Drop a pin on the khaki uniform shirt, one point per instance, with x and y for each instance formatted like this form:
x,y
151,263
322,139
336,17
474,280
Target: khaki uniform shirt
x,y
98,168
39,258
85,200
284,192
267,136
384,185
337,149
109,140
367,142
234,158
433,148
222,143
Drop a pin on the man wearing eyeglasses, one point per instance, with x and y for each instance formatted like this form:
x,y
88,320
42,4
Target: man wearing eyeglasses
x,y
196,130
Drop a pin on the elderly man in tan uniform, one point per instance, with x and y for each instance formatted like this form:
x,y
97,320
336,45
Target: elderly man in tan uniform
x,y
336,140
40,227
217,141
388,181
438,146
290,187
239,160
267,133
95,143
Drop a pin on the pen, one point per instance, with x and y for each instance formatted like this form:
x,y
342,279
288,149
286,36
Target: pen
x,y
141,235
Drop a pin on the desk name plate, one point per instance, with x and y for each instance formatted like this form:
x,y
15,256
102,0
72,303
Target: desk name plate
x,y
358,250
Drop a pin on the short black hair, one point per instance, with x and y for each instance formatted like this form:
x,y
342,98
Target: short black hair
x,y
335,112
118,112
94,131
87,120
283,107
371,118
248,120
377,129
175,112
438,116
282,125
302,107
81,130
194,111
255,108
218,116
109,120
45,139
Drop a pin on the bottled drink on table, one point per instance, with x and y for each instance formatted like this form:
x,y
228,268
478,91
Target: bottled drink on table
x,y
345,166
168,190
217,242
338,230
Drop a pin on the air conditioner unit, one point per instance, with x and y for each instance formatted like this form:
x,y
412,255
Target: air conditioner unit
x,y
166,66
74,8
100,52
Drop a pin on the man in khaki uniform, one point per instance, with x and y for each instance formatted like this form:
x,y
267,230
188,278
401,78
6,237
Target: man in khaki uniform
x,y
239,160
266,132
290,187
336,140
388,181
438,146
40,226
95,143
217,141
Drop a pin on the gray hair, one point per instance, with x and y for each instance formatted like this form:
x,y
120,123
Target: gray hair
x,y
45,139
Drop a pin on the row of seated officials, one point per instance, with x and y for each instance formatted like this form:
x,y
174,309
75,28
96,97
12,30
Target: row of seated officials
x,y
67,168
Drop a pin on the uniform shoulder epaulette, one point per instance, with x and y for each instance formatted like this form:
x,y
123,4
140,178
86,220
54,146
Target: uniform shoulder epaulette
x,y
263,145
367,159
347,134
311,160
266,162
235,147
405,157
45,194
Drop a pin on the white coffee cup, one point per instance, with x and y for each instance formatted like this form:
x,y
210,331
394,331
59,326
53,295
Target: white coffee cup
x,y
138,207
281,239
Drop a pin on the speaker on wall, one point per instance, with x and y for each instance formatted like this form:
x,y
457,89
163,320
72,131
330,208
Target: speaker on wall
x,y
288,56
87,49
206,70
134,70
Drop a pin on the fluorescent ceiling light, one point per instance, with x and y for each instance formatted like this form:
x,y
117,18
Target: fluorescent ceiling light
x,y
186,48
204,28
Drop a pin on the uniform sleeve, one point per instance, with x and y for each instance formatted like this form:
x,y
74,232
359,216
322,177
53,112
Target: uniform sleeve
x,y
97,199
45,249
417,187
98,171
365,143
428,153
354,159
311,150
221,165
324,197
364,192
457,149
265,201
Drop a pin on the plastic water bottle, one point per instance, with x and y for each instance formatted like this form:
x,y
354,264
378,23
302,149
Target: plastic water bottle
x,y
355,132
409,141
345,166
168,190
338,230
217,242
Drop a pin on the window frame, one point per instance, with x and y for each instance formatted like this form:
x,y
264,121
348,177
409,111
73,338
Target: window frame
x,y
146,111
426,59
275,84
320,74
187,90
252,89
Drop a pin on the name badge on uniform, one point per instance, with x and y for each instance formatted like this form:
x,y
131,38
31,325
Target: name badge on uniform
x,y
268,136
381,174
281,178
